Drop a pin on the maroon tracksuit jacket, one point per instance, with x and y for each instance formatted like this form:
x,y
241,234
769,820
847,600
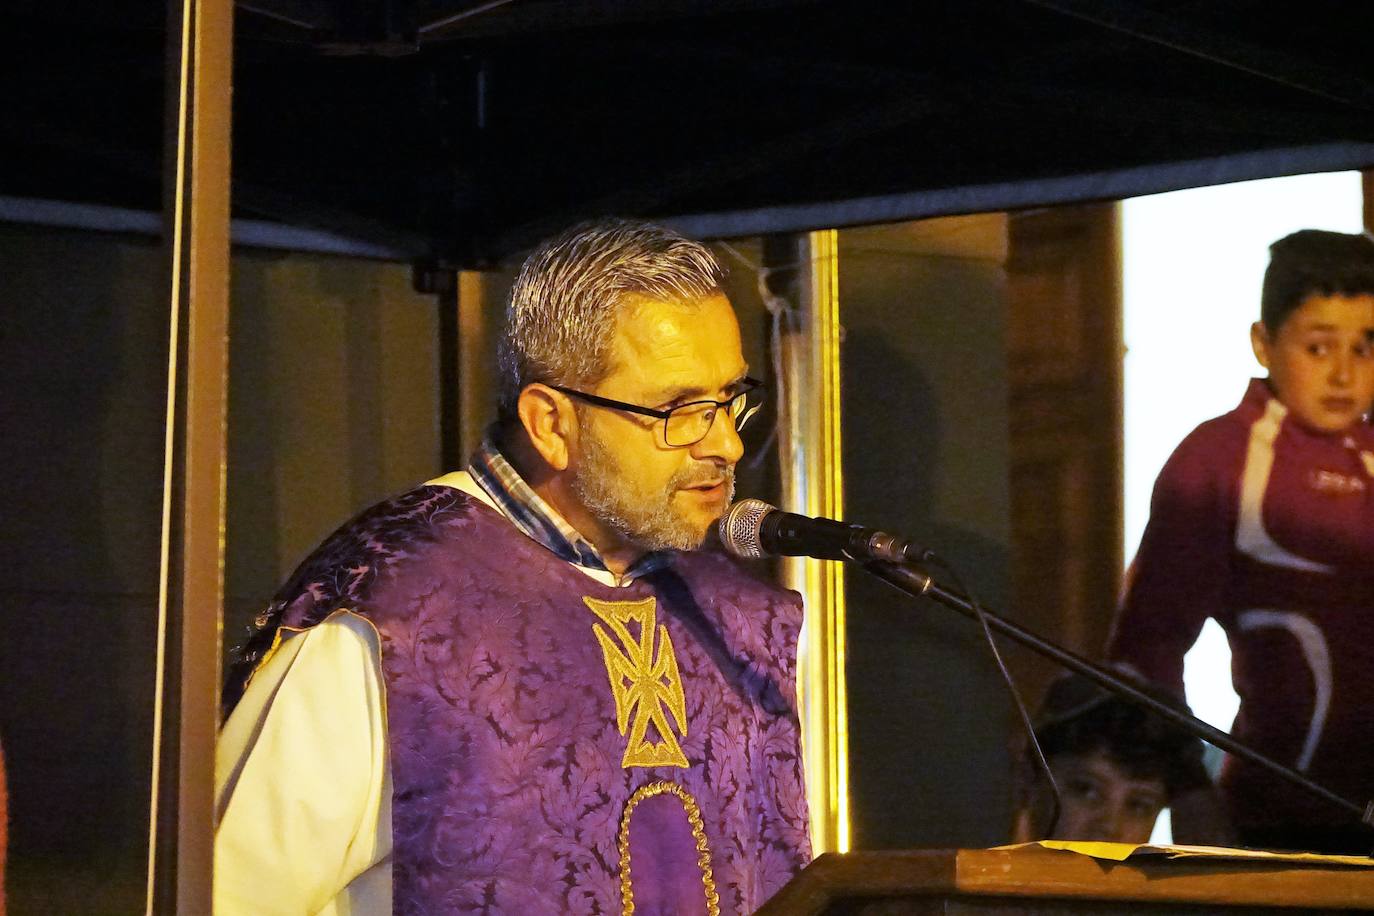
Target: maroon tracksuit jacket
x,y
1269,528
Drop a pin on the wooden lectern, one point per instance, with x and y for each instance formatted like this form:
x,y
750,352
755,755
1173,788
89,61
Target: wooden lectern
x,y
1034,880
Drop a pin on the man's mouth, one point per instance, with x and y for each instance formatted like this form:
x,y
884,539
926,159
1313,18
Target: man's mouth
x,y
1338,405
712,489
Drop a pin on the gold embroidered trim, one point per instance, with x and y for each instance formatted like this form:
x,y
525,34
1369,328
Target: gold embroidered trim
x,y
627,897
644,680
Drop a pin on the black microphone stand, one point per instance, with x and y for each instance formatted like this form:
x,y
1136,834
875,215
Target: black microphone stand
x,y
917,584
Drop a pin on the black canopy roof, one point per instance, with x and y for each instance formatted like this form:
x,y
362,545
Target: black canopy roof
x,y
467,129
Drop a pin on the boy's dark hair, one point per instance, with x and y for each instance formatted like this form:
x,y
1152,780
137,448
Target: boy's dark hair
x,y
1079,718
1314,261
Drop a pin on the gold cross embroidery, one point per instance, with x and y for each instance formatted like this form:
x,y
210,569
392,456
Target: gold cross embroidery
x,y
644,680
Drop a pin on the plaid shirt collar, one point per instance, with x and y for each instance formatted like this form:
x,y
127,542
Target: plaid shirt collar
x,y
540,521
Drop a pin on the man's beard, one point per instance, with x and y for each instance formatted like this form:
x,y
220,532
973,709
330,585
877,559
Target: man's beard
x,y
644,517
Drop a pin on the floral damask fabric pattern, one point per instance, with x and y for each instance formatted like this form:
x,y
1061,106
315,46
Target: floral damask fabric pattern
x,y
508,783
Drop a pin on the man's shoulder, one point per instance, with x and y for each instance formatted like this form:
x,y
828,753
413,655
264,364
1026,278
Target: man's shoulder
x,y
392,533
417,516
378,544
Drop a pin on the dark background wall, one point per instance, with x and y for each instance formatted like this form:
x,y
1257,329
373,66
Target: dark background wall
x,y
333,404
80,402
925,453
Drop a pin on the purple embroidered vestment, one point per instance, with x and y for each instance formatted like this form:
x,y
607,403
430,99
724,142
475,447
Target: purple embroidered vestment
x,y
546,730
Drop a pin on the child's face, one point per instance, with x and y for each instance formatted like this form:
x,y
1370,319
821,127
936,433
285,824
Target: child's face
x,y
1101,801
1321,360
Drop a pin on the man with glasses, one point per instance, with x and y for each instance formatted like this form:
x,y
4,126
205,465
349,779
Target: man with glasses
x,y
523,688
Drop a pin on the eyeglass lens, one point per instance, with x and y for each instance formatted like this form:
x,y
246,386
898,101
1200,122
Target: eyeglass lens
x,y
689,424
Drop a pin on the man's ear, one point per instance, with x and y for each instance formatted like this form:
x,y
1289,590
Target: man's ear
x,y
550,423
1260,342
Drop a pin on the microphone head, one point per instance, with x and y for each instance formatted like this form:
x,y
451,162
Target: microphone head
x,y
739,527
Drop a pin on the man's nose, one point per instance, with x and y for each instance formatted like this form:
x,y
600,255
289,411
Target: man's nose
x,y
721,442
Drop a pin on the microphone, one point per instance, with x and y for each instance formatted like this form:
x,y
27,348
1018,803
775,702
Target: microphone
x,y
751,528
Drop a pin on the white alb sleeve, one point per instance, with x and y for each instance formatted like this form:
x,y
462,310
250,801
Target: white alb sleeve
x,y
303,782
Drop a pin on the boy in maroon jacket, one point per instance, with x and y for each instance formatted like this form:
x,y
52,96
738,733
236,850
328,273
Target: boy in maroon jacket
x,y
1264,520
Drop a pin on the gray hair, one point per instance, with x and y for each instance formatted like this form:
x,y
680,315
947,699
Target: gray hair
x,y
563,306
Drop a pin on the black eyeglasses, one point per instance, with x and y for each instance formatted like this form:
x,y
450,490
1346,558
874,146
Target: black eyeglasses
x,y
686,424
